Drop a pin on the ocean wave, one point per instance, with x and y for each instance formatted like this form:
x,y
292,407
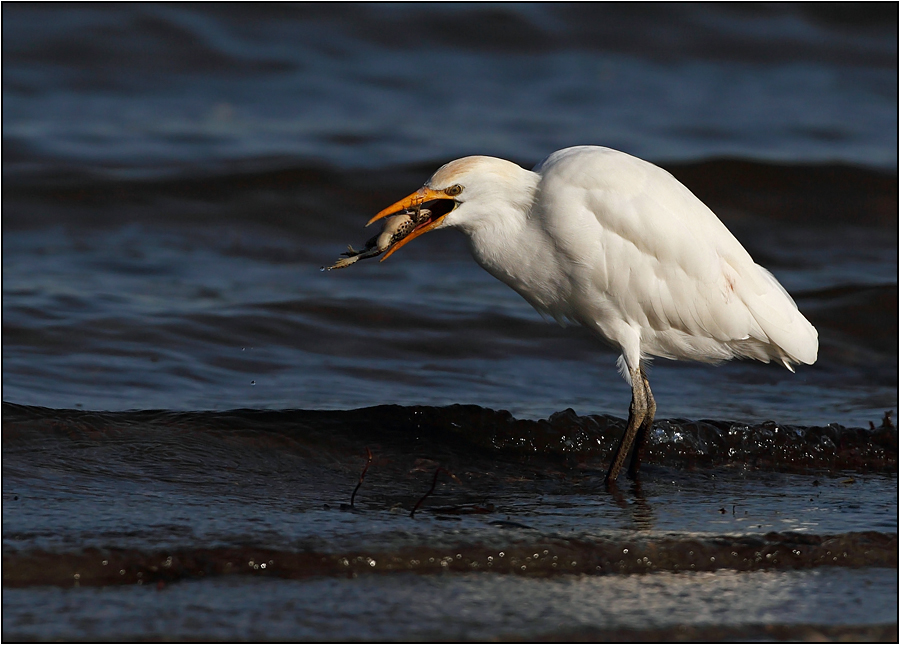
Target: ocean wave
x,y
471,432
521,556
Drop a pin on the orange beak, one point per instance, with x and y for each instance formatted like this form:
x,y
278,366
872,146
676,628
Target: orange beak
x,y
412,201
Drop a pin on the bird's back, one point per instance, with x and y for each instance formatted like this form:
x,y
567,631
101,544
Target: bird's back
x,y
645,256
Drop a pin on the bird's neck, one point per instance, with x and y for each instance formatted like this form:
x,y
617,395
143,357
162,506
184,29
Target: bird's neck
x,y
510,244
500,228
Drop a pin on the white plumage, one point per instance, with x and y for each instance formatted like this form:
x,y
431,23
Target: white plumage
x,y
618,245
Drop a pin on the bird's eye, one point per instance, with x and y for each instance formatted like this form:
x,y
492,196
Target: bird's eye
x,y
454,190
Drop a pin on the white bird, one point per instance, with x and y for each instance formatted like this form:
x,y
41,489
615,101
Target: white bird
x,y
620,246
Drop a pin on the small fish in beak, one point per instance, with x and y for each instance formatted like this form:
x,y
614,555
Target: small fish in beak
x,y
395,228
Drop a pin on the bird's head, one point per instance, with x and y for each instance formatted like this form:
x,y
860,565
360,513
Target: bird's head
x,y
463,192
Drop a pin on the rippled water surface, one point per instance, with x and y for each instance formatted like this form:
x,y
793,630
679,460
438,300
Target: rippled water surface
x,y
466,607
187,397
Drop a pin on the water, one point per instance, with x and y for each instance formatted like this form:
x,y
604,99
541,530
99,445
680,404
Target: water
x,y
467,607
174,177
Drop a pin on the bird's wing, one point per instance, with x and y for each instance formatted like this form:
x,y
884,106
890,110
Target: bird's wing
x,y
656,254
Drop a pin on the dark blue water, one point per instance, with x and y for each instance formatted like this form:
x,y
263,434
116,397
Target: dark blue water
x,y
174,176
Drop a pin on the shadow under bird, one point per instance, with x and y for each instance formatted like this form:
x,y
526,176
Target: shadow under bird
x,y
618,245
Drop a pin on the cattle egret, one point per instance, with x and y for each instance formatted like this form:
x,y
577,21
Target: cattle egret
x,y
618,245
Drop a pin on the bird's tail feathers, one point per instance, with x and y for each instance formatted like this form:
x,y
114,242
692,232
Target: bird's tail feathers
x,y
791,337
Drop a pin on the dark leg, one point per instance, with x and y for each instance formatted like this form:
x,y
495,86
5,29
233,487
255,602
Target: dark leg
x,y
640,442
636,414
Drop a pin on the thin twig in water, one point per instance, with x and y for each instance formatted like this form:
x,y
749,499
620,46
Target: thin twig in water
x,y
361,475
433,484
